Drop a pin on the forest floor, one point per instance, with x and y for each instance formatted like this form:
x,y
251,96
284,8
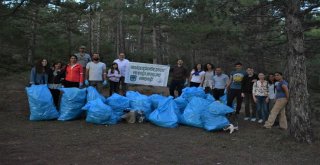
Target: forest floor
x,y
77,142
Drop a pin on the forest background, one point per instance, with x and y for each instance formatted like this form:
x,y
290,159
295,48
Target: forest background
x,y
269,35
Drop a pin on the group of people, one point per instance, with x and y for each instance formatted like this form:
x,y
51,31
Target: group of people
x,y
82,70
265,98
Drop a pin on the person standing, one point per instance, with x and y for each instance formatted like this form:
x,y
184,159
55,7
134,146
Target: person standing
x,y
74,73
235,85
114,78
122,65
272,91
56,76
179,79
260,92
83,58
208,81
220,81
282,97
196,76
39,73
96,74
246,89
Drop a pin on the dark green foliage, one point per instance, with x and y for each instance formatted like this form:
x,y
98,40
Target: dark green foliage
x,y
220,32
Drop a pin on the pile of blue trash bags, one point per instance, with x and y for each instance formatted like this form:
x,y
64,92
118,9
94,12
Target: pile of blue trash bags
x,y
192,108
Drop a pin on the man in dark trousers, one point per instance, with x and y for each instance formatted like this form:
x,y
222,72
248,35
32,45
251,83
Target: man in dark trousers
x,y
234,86
179,76
246,91
234,91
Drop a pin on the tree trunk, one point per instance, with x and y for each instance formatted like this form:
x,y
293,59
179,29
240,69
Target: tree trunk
x,y
165,49
117,39
33,36
141,31
300,124
98,32
258,45
90,30
121,34
159,45
69,36
154,44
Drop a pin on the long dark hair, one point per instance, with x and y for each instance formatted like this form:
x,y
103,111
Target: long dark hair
x,y
196,69
42,69
206,67
269,81
112,69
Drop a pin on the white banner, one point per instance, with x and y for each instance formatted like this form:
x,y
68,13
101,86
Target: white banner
x,y
147,74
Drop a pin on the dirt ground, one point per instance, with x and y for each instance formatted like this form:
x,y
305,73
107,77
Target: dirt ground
x,y
77,142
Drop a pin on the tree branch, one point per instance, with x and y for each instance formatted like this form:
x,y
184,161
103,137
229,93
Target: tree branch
x,y
15,9
309,9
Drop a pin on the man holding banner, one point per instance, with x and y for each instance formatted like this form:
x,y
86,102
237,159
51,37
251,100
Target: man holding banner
x,y
122,65
179,76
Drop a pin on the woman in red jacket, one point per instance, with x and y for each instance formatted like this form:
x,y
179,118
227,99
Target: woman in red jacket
x,y
74,73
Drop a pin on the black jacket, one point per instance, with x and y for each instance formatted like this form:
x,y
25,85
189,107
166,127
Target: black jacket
x,y
56,78
247,83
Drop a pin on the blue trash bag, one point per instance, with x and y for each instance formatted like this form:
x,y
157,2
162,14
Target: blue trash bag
x,y
118,103
72,100
212,122
210,98
165,115
219,108
114,118
97,112
191,92
223,99
181,103
41,103
192,114
139,102
156,99
93,94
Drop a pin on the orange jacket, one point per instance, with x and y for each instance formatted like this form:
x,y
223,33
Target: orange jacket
x,y
74,73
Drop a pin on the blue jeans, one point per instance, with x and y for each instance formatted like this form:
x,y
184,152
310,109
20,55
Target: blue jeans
x,y
262,109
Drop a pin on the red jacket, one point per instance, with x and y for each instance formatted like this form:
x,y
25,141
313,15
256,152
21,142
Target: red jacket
x,y
74,73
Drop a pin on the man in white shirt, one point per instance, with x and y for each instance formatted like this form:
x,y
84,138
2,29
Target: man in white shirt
x,y
122,65
220,81
96,73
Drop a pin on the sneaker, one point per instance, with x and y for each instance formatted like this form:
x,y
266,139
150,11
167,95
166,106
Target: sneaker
x,y
260,121
253,119
246,118
231,128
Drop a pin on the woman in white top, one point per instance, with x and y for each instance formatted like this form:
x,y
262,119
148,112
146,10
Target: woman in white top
x,y
196,76
260,93
208,78
114,78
